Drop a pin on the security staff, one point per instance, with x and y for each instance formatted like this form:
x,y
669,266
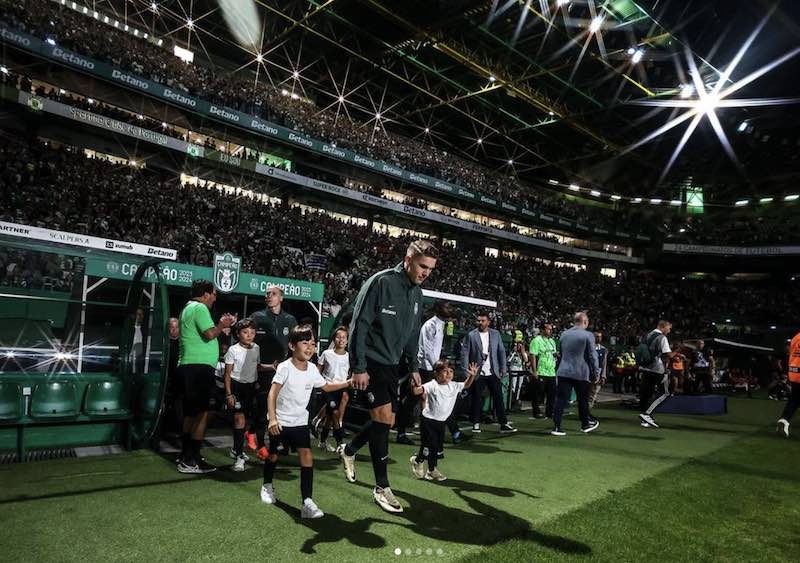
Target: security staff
x,y
794,381
273,326
385,331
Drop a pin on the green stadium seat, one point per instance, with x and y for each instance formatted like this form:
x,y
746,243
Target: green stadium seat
x,y
54,399
105,398
10,403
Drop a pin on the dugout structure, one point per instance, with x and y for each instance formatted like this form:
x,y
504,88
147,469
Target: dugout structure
x,y
84,345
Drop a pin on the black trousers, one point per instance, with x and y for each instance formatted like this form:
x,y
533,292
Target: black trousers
x,y
793,403
409,402
619,376
702,378
564,387
496,392
653,383
544,391
431,441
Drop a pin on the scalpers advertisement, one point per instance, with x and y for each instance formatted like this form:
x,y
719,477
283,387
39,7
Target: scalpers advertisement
x,y
246,121
232,280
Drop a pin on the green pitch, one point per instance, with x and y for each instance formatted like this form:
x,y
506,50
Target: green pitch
x,y
699,489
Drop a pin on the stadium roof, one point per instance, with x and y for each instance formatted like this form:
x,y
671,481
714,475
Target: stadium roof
x,y
540,89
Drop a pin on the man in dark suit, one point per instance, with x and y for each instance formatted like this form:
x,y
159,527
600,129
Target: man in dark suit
x,y
483,346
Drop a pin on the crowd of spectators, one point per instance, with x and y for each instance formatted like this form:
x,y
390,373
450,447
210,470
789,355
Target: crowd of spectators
x,y
91,37
62,189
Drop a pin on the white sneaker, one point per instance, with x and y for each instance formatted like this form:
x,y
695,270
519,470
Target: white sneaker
x,y
310,510
233,455
783,426
239,465
648,419
417,467
435,475
268,494
349,463
385,498
557,432
476,428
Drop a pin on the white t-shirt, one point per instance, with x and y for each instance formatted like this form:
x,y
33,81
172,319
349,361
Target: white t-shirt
x,y
487,366
295,393
337,366
245,362
440,399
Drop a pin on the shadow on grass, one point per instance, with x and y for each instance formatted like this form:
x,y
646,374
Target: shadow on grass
x,y
332,529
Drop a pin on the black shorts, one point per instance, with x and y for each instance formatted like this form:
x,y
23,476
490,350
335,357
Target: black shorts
x,y
432,434
264,382
333,399
199,388
383,385
292,438
245,392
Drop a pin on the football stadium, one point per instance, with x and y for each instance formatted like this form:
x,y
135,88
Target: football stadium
x,y
383,280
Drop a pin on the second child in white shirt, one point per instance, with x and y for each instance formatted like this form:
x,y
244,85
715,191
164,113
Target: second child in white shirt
x,y
335,366
440,396
288,398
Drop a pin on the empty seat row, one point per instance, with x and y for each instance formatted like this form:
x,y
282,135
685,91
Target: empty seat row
x,y
59,400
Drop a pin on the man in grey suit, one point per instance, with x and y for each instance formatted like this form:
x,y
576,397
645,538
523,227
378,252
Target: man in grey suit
x,y
483,346
578,367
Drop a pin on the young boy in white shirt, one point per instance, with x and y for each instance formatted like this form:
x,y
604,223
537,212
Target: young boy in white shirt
x,y
440,394
288,398
335,367
240,374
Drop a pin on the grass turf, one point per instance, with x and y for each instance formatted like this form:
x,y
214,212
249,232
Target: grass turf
x,y
700,488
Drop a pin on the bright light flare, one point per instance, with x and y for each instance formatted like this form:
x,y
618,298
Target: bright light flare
x,y
597,23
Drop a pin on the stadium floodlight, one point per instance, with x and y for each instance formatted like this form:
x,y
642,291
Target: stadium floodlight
x,y
742,127
50,41
637,56
631,51
727,320
90,101
480,141
766,200
595,193
687,90
427,130
655,201
259,58
554,182
636,200
510,161
377,115
341,99
284,92
709,98
126,27
597,22
9,354
154,6
792,197
681,230
295,96
616,197
492,79
551,113
560,3
189,23
574,187
160,42
675,202
295,74
742,202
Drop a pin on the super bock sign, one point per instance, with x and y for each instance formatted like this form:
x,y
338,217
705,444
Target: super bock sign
x,y
227,267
